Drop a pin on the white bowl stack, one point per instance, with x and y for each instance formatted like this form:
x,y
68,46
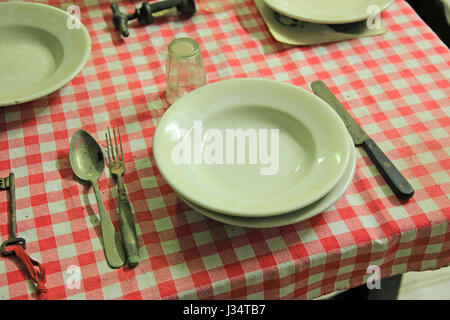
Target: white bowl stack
x,y
329,11
254,153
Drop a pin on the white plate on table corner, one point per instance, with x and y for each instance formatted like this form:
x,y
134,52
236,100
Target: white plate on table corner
x,y
289,218
328,11
314,148
39,53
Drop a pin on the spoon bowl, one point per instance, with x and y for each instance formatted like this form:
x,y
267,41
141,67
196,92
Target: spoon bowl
x,y
86,157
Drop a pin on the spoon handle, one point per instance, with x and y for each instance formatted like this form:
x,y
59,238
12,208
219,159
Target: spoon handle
x,y
114,253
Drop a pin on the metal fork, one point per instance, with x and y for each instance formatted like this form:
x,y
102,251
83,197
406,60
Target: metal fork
x,y
127,226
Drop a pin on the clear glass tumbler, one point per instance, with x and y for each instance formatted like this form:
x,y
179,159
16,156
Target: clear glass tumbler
x,y
184,68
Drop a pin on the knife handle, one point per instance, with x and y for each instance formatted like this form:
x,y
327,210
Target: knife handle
x,y
393,177
128,230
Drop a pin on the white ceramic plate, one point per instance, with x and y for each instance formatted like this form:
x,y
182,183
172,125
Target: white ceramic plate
x,y
38,52
288,218
312,154
328,11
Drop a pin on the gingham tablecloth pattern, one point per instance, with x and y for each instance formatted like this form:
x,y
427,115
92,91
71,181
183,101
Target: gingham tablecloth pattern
x,y
396,85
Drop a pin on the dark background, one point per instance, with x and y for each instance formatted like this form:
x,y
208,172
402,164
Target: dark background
x,y
432,12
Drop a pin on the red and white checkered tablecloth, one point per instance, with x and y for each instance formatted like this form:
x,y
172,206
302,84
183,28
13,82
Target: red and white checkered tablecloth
x,y
396,85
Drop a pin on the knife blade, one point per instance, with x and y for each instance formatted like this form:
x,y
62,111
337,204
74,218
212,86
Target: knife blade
x,y
397,182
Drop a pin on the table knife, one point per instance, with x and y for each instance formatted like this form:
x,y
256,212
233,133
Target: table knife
x,y
391,174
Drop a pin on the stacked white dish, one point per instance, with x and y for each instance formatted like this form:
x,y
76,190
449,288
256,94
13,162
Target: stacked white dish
x,y
254,153
329,11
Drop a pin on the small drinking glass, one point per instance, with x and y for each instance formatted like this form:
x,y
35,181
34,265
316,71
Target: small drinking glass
x,y
184,68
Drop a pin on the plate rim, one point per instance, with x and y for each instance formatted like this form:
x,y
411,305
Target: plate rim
x,y
70,76
324,21
161,165
300,215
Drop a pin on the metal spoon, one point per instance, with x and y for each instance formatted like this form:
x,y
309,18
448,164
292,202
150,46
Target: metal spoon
x,y
87,162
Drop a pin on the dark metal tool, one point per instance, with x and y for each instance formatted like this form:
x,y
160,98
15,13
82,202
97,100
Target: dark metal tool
x,y
8,183
393,177
35,270
144,14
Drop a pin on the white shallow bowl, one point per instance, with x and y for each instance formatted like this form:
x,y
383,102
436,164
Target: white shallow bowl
x,y
328,11
289,218
313,147
39,53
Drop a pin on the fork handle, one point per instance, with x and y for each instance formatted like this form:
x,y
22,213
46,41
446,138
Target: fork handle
x,y
128,229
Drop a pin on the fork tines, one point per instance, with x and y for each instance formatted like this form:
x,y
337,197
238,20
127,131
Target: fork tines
x,y
4,183
113,151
